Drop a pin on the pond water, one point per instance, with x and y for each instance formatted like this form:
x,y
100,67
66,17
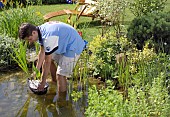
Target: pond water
x,y
16,100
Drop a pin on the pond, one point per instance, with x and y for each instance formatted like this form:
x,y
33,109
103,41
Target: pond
x,y
17,100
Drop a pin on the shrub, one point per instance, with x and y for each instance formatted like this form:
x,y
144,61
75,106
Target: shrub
x,y
104,103
104,50
5,50
151,26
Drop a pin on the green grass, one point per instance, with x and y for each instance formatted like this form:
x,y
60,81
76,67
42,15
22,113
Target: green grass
x,y
94,27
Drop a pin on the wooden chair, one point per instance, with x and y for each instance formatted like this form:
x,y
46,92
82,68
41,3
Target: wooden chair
x,y
84,8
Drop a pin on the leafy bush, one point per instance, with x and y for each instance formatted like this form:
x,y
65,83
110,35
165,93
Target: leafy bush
x,y
150,100
104,50
5,50
151,26
142,7
11,19
104,103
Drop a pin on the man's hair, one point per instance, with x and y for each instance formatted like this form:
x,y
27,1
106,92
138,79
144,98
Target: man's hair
x,y
26,29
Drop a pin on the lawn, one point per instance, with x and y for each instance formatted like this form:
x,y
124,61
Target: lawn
x,y
92,28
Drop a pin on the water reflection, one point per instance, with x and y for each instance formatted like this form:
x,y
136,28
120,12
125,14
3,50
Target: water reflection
x,y
16,100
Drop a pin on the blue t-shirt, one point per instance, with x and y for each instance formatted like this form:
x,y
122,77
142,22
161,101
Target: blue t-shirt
x,y
70,42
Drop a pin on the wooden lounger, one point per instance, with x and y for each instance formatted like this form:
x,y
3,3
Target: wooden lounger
x,y
84,11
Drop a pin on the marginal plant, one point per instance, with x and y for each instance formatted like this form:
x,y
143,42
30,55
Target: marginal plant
x,y
19,55
82,69
36,71
123,74
76,95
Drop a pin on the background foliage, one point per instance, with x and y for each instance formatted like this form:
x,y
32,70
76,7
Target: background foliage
x,y
5,50
10,20
142,7
152,27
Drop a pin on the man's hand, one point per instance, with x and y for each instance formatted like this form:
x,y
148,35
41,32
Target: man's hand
x,y
41,86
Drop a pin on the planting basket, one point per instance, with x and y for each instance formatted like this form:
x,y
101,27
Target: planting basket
x,y
33,85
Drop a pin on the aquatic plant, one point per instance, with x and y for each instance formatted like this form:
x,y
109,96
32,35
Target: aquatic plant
x,y
36,71
19,55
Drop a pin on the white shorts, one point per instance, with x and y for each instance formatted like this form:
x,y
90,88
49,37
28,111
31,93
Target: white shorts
x,y
65,64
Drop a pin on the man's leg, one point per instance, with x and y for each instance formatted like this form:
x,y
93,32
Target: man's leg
x,y
53,70
65,69
61,83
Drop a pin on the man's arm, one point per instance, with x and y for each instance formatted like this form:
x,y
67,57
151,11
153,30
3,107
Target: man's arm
x,y
41,57
45,71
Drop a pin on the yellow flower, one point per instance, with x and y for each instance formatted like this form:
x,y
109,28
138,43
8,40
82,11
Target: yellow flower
x,y
38,13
